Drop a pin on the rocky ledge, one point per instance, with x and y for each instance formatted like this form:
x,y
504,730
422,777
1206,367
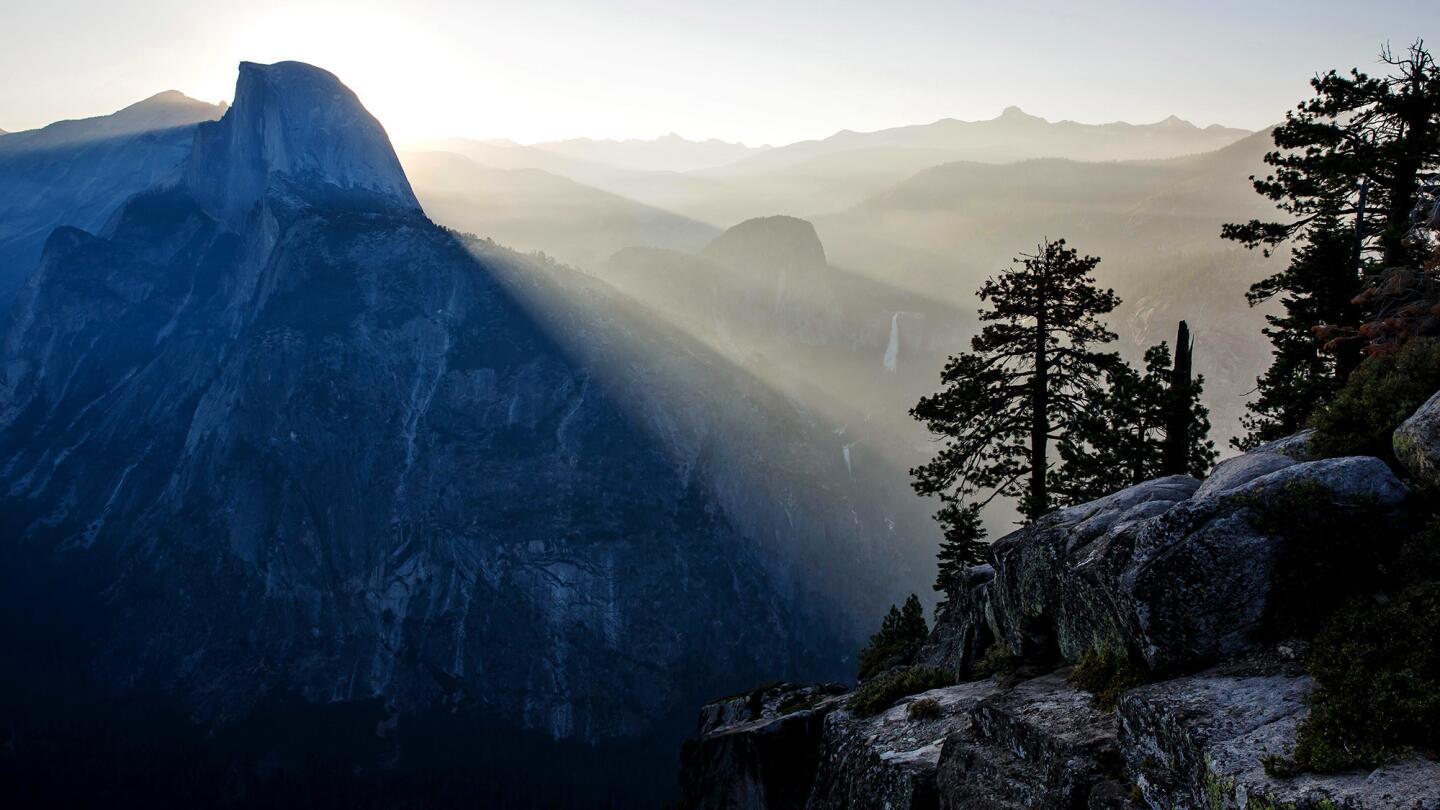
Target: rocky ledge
x,y
1182,578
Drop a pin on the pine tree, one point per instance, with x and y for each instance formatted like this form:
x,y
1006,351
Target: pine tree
x,y
963,544
1318,287
1353,156
902,632
1124,436
1029,373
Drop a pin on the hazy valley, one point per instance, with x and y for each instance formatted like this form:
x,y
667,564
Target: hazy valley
x,y
341,470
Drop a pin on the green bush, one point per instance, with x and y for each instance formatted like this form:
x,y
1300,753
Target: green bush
x,y
923,709
1377,669
1379,395
998,660
881,692
1107,674
901,635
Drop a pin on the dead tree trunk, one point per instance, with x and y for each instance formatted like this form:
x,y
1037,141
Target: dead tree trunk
x,y
1179,417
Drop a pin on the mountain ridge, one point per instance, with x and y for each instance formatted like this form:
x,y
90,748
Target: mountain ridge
x,y
78,172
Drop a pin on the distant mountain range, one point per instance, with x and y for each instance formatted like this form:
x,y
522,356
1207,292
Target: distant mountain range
x,y
905,213
818,177
668,153
1013,135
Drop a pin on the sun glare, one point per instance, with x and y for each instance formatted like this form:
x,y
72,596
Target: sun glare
x,y
406,75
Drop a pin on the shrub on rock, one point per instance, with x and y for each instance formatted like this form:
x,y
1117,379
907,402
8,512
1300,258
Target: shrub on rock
x,y
1381,394
1377,663
1107,674
880,693
923,709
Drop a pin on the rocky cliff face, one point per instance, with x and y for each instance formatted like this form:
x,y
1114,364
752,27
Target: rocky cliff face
x,y
283,435
1186,579
294,129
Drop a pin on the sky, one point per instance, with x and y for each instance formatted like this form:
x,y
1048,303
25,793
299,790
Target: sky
x,y
758,71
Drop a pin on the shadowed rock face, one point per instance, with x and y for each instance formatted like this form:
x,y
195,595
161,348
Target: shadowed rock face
x,y
304,441
296,122
1198,742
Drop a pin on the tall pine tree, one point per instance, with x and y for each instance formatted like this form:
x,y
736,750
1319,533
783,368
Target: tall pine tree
x,y
1029,374
1352,157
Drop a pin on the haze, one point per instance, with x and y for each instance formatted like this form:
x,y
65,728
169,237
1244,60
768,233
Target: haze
x,y
758,72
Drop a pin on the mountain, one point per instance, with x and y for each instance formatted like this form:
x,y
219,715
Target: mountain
x,y
534,210
283,460
294,131
78,172
668,153
507,154
776,245
1013,135
813,178
847,348
1155,224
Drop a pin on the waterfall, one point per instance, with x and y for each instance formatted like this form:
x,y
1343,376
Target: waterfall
x,y
892,351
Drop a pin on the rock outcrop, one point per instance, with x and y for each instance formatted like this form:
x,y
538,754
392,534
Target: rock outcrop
x,y
890,760
1200,742
1417,444
1175,576
1172,569
759,750
1040,743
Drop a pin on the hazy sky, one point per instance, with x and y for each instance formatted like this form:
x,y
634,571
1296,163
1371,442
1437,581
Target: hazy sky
x,y
755,70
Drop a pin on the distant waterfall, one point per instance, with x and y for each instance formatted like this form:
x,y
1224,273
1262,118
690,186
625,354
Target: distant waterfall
x,y
892,351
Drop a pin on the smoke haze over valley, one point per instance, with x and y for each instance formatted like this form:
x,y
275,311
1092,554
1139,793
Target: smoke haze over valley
x,y
392,416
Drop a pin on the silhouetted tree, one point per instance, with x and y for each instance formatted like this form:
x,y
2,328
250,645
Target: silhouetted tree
x,y
1318,287
1404,302
963,544
1124,435
1031,371
1181,397
1351,157
901,633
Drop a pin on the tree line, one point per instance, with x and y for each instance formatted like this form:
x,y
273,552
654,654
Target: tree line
x,y
1037,384
1040,413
